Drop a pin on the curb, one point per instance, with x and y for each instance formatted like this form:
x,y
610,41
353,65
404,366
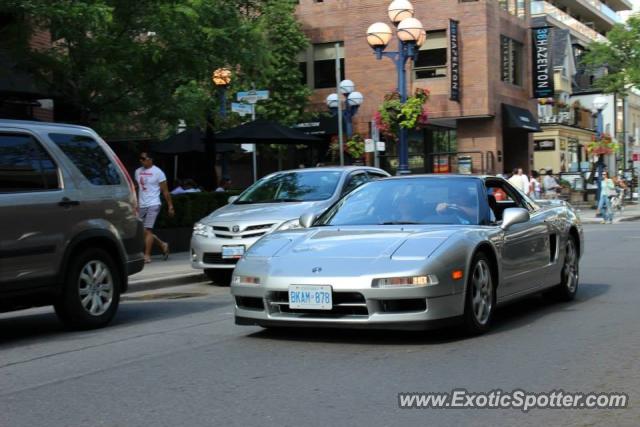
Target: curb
x,y
186,278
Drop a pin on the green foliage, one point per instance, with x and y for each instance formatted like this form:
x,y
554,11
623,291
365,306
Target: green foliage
x,y
620,55
137,67
192,207
393,114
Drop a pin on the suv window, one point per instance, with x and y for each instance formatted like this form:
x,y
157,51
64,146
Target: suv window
x,y
25,165
89,157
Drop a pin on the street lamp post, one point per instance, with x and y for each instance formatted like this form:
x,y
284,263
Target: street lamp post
x,y
221,77
352,100
411,35
599,104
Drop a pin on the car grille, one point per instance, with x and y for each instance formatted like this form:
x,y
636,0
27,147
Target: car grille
x,y
344,304
252,231
216,258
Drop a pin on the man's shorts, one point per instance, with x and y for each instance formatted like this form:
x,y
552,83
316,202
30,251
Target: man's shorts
x,y
148,216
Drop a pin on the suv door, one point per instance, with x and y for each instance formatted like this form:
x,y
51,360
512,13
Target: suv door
x,y
32,206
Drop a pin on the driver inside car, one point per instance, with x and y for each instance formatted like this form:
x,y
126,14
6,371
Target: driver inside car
x,y
462,205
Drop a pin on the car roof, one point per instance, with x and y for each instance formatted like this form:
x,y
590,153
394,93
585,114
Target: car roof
x,y
444,176
30,124
332,169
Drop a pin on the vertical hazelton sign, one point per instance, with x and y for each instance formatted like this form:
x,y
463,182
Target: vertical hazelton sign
x,y
454,47
542,68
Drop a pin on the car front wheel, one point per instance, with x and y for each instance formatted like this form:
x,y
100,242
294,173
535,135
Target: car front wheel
x,y
91,292
480,299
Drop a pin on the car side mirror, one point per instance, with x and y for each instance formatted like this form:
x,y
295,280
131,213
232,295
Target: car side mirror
x,y
307,220
512,216
232,199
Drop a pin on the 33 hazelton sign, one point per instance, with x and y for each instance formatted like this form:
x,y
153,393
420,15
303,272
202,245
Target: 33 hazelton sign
x,y
542,63
454,44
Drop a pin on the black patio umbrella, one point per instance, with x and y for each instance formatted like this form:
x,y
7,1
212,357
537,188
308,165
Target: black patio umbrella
x,y
265,132
188,141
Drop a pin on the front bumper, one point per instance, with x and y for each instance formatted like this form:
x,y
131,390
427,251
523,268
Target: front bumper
x,y
354,307
206,252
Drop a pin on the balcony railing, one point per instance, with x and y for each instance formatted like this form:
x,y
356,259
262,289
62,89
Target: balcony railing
x,y
543,8
606,10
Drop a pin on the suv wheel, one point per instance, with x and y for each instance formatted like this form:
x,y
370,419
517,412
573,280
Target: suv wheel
x,y
91,292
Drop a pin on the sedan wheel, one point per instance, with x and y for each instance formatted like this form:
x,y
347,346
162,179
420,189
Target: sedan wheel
x,y
480,295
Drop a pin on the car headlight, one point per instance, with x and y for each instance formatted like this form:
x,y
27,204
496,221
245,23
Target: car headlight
x,y
292,224
203,230
415,281
245,280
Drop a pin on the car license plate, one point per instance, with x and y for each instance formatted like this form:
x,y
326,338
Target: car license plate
x,y
310,297
232,251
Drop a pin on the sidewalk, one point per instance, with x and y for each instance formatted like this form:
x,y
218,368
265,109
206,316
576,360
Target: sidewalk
x,y
631,213
159,273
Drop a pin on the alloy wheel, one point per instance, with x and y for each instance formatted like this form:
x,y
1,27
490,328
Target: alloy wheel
x,y
95,287
482,292
571,267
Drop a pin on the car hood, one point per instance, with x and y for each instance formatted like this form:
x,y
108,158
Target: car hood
x,y
275,212
354,243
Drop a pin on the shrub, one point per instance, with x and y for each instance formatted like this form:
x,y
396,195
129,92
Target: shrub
x,y
191,207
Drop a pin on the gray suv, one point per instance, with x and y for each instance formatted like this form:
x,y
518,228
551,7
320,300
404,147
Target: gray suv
x,y
69,234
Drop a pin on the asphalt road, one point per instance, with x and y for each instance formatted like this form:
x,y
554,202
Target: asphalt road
x,y
182,362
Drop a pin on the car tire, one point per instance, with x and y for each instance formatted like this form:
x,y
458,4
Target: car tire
x,y
219,276
570,275
480,296
91,291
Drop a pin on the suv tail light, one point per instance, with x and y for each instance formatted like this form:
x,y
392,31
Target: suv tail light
x,y
132,187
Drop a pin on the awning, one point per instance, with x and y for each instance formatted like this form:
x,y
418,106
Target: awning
x,y
519,118
191,140
320,125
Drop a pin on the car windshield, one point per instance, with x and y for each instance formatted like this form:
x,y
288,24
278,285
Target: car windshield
x,y
292,187
408,201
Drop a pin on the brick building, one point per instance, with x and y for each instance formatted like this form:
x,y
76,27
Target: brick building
x,y
492,122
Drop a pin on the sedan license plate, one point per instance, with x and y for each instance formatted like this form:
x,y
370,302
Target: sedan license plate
x,y
310,297
232,252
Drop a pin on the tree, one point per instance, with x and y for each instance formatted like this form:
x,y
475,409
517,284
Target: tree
x,y
135,66
620,55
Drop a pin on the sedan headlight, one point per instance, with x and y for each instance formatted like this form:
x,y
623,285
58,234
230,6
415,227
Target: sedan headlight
x,y
415,281
292,224
203,230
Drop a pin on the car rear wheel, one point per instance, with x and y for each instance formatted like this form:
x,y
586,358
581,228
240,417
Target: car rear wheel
x,y
91,292
219,276
480,299
570,275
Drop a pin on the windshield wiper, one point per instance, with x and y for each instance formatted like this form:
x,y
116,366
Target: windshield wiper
x,y
399,223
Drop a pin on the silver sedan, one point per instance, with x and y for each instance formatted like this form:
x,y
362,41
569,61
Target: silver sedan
x,y
275,202
411,253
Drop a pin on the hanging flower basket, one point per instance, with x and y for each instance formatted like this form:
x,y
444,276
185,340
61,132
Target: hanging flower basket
x,y
393,115
354,148
603,145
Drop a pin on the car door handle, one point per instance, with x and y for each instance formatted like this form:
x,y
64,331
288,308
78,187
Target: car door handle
x,y
67,202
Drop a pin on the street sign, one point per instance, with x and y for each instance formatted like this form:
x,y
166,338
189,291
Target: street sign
x,y
253,96
241,109
369,146
380,145
248,148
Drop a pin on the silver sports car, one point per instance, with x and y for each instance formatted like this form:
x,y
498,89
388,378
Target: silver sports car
x,y
411,253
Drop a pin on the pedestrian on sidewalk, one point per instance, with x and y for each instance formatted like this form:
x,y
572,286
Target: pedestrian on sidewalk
x,y
151,181
608,190
536,187
516,180
550,185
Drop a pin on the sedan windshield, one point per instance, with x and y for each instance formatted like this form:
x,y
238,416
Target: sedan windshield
x,y
292,187
408,201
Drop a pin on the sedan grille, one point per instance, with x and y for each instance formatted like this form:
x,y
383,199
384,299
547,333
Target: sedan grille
x,y
216,258
252,231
